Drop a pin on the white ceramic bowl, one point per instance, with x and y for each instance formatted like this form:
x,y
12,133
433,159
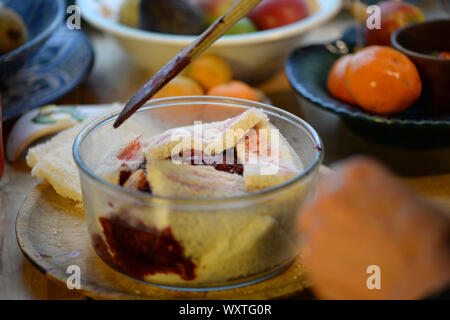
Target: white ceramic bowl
x,y
252,56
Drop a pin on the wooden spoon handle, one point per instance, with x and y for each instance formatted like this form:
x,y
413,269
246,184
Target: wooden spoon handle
x,y
239,10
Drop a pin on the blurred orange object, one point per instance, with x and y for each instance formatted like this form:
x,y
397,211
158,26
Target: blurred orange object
x,y
178,87
365,219
444,54
234,89
2,155
383,80
209,70
337,83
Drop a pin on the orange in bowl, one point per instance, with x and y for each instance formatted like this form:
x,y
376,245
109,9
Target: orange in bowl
x,y
337,83
383,80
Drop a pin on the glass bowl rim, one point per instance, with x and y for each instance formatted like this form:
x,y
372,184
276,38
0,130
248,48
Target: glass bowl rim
x,y
167,102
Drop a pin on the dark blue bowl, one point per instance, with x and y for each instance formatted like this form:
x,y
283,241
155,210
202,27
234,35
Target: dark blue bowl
x,y
42,18
307,69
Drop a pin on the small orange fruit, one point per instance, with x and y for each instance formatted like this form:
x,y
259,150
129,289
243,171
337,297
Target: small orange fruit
x,y
383,80
234,89
337,84
209,70
180,86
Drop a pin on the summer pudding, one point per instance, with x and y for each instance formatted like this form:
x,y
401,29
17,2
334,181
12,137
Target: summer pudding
x,y
197,192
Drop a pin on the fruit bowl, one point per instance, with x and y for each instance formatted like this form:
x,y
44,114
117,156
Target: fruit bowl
x,y
307,69
42,18
194,243
252,56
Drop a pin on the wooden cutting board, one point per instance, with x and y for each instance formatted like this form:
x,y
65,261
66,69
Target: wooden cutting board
x,y
52,234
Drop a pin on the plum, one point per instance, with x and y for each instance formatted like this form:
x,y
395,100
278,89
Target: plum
x,y
13,32
393,16
171,16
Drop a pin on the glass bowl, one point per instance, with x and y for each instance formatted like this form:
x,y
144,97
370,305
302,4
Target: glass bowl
x,y
192,243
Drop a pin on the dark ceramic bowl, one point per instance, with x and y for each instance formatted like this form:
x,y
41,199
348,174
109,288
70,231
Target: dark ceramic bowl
x,y
307,69
419,42
42,19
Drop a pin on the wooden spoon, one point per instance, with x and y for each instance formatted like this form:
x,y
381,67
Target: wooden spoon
x,y
239,10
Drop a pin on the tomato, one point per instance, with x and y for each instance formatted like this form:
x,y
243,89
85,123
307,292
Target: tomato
x,y
271,14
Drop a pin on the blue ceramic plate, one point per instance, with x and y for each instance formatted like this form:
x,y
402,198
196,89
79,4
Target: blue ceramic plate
x,y
307,70
58,67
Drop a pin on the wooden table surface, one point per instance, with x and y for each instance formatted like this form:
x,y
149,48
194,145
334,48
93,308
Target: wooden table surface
x,y
114,78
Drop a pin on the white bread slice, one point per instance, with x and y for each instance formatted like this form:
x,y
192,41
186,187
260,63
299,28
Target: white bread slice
x,y
182,180
160,147
264,170
287,153
137,181
254,180
126,157
230,131
53,161
212,138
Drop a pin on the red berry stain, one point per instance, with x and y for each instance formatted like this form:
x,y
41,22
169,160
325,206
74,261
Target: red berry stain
x,y
130,152
140,251
144,186
198,158
123,176
230,168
